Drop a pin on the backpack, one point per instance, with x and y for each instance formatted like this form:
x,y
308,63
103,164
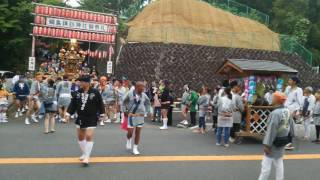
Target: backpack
x,y
49,96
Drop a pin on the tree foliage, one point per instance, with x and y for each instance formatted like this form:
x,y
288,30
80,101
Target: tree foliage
x,y
298,18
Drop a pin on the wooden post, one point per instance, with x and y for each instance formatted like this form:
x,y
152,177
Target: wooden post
x,y
248,119
33,46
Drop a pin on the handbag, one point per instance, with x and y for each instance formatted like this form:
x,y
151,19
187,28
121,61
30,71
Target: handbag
x,y
124,123
47,104
281,141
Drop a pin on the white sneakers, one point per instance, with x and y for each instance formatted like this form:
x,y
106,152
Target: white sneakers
x,y
33,117
82,157
18,113
135,150
108,121
184,122
101,123
26,121
129,144
163,128
231,140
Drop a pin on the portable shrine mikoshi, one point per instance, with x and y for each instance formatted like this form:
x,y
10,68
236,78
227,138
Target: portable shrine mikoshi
x,y
72,58
255,77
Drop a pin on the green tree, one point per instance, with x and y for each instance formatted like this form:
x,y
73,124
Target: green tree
x,y
301,30
15,42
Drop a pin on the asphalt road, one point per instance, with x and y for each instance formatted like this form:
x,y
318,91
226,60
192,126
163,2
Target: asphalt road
x,y
20,141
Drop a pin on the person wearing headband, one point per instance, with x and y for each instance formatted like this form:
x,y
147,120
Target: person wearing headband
x,y
279,129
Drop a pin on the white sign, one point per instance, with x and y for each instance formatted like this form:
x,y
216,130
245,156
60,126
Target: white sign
x,y
109,67
65,23
32,63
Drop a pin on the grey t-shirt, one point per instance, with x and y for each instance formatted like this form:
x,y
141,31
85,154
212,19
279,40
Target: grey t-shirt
x,y
280,124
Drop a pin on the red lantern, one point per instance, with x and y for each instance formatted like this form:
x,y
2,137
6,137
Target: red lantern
x,y
61,34
37,20
44,31
108,38
89,36
105,19
41,8
43,20
82,15
63,12
98,37
50,11
113,38
53,32
78,35
37,10
100,55
70,34
54,11
95,17
87,16
115,20
71,13
93,36
58,12
68,13
73,35
48,31
102,18
65,33
109,19
99,18
86,35
96,53
75,14
40,30
90,17
57,33
35,30
46,10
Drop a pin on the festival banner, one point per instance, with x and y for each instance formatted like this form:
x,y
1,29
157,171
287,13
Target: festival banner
x,y
68,23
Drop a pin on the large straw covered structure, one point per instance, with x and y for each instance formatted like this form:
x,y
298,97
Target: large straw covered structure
x,y
196,22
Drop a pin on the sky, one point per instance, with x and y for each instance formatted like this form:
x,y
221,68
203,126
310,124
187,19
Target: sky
x,y
73,3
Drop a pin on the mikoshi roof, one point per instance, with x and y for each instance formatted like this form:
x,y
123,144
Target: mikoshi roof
x,y
242,65
197,22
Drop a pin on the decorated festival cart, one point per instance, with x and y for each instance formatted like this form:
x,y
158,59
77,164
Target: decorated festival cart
x,y
256,77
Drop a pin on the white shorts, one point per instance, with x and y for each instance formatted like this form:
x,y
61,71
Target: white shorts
x,y
131,127
93,127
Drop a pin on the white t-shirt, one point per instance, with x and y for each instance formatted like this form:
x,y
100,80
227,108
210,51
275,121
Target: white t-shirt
x,y
294,100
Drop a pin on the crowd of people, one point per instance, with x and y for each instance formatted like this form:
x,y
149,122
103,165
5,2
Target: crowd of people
x,y
93,100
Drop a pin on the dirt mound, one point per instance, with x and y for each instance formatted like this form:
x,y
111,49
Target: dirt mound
x,y
197,22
